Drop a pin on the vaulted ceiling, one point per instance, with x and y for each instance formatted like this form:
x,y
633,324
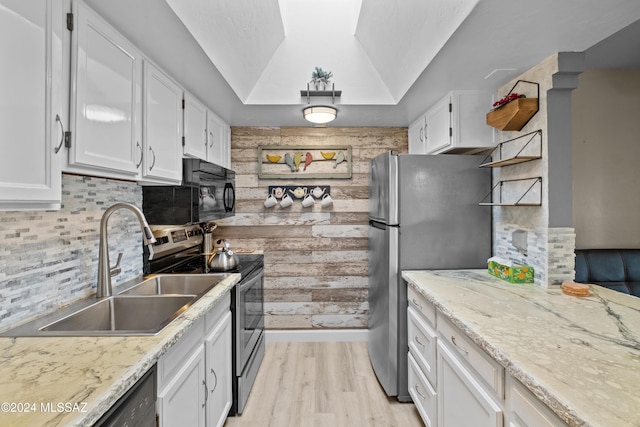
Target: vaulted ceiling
x,y
392,59
266,50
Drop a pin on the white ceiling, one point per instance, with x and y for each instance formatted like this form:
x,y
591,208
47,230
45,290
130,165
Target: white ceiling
x,y
266,50
249,59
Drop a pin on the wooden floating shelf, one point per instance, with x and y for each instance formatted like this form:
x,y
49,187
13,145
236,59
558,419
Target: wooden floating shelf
x,y
513,115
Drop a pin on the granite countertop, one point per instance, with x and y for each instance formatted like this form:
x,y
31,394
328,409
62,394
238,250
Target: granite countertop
x,y
60,381
580,356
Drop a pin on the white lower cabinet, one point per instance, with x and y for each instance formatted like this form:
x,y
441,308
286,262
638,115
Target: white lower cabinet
x,y
194,376
218,362
422,380
462,400
182,400
422,393
455,383
524,409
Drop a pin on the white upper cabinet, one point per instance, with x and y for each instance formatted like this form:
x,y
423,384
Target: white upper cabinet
x,y
456,123
162,133
227,146
416,136
106,99
31,116
216,134
206,136
195,128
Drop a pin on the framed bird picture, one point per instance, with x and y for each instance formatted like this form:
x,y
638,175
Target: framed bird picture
x,y
304,162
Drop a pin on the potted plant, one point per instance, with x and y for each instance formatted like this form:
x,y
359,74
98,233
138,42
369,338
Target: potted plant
x,y
320,78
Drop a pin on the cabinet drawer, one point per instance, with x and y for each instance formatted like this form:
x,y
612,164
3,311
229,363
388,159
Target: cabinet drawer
x,y
486,368
423,395
422,343
526,410
171,362
420,303
216,313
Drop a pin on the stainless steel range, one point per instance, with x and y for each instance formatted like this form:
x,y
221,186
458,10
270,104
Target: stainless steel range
x,y
178,250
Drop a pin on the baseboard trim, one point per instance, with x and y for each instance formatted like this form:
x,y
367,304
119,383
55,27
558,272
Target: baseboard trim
x,y
316,335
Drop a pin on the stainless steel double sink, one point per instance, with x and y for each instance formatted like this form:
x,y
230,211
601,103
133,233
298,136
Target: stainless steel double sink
x,y
142,309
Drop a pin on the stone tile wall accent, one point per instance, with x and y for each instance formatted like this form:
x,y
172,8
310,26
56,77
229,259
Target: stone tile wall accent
x,y
550,251
50,258
561,255
316,259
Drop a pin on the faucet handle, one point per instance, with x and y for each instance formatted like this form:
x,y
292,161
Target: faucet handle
x,y
115,270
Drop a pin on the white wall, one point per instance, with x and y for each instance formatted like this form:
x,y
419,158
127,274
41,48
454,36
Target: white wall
x,y
606,159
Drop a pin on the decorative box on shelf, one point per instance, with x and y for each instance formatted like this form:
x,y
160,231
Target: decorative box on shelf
x,y
506,270
513,115
515,110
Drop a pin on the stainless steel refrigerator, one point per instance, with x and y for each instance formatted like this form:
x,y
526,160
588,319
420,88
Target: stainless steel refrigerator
x,y
423,215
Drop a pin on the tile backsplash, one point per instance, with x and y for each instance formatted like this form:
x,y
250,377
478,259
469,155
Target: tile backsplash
x,y
50,258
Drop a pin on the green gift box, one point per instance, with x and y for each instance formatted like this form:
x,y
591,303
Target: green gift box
x,y
511,273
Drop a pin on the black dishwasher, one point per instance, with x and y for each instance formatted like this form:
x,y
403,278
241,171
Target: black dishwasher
x,y
137,408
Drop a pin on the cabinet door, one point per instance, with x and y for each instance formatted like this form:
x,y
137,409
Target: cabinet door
x,y
182,401
216,139
226,145
462,401
31,103
162,134
468,119
219,373
195,128
107,74
438,126
416,136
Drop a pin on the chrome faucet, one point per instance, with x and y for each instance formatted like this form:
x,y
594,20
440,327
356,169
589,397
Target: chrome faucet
x,y
104,267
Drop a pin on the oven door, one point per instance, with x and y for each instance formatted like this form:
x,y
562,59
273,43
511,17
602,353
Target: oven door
x,y
250,316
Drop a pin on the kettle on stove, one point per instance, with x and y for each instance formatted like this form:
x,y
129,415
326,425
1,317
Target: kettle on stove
x,y
223,259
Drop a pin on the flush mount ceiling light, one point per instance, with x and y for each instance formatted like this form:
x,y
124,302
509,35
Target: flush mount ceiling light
x,y
320,114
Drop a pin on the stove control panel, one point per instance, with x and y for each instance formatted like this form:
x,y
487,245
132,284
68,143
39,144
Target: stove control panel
x,y
172,239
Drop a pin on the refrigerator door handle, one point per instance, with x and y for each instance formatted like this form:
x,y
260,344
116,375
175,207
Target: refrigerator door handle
x,y
378,225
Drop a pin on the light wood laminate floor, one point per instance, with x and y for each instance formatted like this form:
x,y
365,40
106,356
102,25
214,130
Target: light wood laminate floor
x,y
321,384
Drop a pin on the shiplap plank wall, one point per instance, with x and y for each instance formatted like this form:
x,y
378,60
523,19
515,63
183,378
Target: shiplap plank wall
x,y
315,258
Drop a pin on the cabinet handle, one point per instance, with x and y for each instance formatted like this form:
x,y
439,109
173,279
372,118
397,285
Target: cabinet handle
x,y
141,154
453,340
421,134
153,163
211,135
417,387
418,341
416,303
215,377
59,120
206,395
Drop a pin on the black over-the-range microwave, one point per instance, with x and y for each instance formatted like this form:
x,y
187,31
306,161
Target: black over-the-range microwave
x,y
207,193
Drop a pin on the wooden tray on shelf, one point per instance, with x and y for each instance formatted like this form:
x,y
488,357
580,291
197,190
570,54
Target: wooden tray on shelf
x,y
514,115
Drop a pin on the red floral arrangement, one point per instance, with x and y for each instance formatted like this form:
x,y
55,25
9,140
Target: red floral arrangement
x,y
507,99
